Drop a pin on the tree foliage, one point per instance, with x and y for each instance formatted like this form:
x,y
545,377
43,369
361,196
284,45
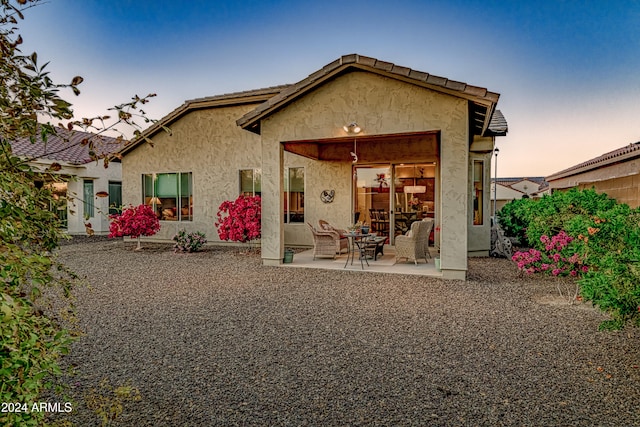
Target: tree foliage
x,y
34,334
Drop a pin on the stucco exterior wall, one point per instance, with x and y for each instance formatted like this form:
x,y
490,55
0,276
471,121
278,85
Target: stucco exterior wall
x,y
210,145
96,172
381,106
624,189
480,235
320,176
620,181
101,177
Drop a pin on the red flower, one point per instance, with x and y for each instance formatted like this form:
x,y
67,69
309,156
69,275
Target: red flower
x,y
240,221
134,222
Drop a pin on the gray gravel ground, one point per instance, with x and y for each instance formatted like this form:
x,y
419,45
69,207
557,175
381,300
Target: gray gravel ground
x,y
215,338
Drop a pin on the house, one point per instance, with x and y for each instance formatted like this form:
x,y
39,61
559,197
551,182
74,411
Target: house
x,y
76,179
513,188
356,137
616,173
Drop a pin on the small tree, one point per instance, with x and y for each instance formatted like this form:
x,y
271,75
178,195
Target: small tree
x,y
240,220
134,222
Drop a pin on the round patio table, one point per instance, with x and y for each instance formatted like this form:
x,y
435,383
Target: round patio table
x,y
359,241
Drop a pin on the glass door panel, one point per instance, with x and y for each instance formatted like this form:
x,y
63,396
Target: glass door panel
x,y
372,197
414,194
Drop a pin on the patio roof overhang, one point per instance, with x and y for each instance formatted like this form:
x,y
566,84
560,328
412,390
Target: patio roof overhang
x,y
402,147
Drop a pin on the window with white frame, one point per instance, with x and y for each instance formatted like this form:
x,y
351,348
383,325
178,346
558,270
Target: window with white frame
x,y
169,194
294,195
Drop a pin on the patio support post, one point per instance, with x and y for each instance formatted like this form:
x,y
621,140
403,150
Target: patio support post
x,y
454,192
272,202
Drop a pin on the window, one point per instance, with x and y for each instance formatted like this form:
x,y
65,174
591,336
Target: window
x,y
59,203
87,197
478,190
115,197
251,182
294,195
169,194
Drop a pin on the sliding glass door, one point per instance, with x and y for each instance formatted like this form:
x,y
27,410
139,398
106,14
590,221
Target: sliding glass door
x,y
390,197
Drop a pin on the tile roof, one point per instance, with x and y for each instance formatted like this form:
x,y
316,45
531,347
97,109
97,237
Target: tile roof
x,y
498,124
484,100
509,182
621,154
487,120
67,146
227,99
512,180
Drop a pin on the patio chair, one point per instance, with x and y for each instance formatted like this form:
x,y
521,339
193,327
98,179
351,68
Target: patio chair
x,y
415,244
324,243
341,241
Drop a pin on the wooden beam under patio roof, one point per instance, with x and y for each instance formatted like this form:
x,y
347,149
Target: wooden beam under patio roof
x,y
402,147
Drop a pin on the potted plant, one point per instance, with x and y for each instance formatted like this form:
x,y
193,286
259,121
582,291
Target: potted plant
x,y
355,227
288,256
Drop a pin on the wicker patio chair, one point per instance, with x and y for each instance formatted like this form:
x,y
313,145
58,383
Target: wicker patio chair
x,y
324,243
415,244
342,242
426,242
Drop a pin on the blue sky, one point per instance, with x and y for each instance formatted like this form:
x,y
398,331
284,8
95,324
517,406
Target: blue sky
x,y
567,71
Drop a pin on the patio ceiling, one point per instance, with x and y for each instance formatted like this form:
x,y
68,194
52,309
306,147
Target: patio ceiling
x,y
396,148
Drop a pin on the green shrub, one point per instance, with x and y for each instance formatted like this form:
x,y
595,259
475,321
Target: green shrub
x,y
514,217
605,238
189,242
565,210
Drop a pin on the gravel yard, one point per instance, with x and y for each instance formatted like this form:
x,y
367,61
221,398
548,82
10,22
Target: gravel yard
x,y
215,338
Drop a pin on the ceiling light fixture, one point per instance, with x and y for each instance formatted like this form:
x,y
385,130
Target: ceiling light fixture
x,y
352,128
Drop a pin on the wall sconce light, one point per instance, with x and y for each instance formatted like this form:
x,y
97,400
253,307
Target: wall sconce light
x,y
352,128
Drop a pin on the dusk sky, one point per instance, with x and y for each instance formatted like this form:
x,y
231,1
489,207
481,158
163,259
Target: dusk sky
x,y
568,71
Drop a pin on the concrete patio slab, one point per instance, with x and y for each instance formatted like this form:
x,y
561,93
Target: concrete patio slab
x,y
383,264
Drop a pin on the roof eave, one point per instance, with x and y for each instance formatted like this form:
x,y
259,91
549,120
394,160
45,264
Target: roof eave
x,y
478,95
592,164
227,100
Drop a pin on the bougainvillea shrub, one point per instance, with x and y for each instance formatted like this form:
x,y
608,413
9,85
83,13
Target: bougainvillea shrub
x,y
589,236
240,220
134,222
558,258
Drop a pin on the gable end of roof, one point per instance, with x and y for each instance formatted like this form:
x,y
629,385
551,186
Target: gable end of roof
x,y
478,95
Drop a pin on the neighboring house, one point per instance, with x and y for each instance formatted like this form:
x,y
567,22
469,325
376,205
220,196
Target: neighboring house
x,y
78,179
516,188
356,135
616,173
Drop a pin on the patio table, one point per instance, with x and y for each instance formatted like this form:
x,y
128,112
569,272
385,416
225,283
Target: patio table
x,y
359,241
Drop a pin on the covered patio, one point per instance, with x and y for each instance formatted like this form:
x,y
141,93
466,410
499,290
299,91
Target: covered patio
x,y
383,264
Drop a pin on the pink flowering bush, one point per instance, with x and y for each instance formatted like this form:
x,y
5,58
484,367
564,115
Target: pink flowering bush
x,y
595,240
134,222
558,257
240,220
188,242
